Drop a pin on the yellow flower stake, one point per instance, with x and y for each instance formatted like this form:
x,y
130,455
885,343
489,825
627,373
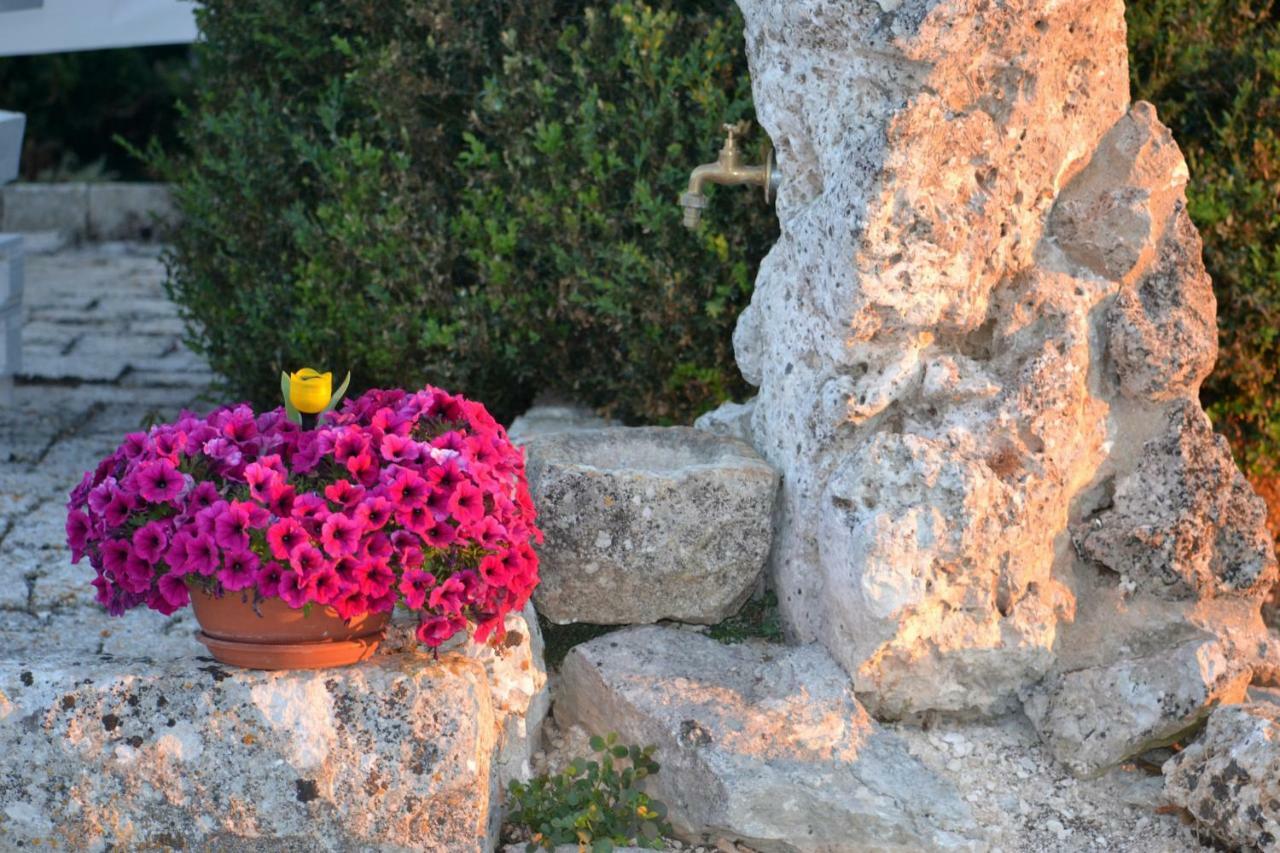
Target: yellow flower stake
x,y
310,392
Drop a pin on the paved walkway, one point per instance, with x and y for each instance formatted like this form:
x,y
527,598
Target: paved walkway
x,y
102,354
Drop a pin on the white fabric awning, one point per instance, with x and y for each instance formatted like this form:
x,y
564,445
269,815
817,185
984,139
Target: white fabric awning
x,y
55,26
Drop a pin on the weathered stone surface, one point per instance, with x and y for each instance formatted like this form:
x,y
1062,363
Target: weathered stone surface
x,y
985,311
1184,523
731,419
1094,718
650,523
517,684
1229,779
1110,215
393,754
1163,337
762,743
549,419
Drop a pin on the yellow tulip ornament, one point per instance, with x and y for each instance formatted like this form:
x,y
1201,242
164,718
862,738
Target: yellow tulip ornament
x,y
310,392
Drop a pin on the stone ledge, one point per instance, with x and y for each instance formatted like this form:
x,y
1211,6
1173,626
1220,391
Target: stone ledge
x,y
392,754
95,211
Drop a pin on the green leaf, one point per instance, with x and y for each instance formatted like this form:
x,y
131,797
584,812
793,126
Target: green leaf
x,y
337,395
597,743
290,412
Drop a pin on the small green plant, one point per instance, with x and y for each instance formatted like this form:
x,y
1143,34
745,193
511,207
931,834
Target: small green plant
x,y
596,804
758,618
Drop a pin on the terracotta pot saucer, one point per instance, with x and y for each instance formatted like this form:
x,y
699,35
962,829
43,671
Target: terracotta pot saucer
x,y
290,655
268,634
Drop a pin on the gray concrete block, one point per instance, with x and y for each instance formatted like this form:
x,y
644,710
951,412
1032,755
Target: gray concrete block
x,y
130,211
11,341
10,271
46,207
11,127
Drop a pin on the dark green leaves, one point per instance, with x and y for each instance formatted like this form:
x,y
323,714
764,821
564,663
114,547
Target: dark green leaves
x,y
597,803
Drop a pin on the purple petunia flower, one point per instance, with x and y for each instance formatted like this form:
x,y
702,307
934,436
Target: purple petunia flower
x,y
159,482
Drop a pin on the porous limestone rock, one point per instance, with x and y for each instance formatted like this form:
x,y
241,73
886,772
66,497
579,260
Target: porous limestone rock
x,y
761,743
1229,779
731,419
978,344
518,686
648,523
393,754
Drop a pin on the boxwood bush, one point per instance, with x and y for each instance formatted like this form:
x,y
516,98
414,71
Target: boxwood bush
x,y
477,194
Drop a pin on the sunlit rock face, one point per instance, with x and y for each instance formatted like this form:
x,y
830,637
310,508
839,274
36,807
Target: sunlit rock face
x,y
978,344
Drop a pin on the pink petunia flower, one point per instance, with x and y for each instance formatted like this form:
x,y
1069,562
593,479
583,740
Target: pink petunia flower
x,y
340,535
239,570
284,537
77,528
294,590
173,589
414,586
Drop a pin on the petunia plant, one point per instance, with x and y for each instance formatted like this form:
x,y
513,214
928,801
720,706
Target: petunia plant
x,y
417,498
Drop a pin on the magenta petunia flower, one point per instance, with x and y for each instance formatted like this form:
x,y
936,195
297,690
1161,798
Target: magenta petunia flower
x,y
325,586
202,555
399,448
284,537
435,630
294,590
350,603
374,512
374,577
448,596
416,518
280,498
344,492
414,585
231,528
150,540
340,535
203,496
467,504
268,579
356,512
117,510
239,570
306,560
173,589
77,528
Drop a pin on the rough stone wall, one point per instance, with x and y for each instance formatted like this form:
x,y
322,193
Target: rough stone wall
x,y
978,344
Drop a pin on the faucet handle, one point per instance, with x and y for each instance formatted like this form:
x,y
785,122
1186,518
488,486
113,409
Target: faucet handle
x,y
735,129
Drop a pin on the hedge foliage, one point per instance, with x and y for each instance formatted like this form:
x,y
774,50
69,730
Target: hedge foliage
x,y
476,194
1212,68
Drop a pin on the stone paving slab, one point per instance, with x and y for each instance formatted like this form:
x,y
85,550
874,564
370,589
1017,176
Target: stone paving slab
x,y
92,317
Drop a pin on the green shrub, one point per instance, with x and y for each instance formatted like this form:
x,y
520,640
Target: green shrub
x,y
1212,68
595,803
77,103
476,194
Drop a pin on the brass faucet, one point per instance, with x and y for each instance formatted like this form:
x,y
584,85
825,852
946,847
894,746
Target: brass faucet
x,y
729,169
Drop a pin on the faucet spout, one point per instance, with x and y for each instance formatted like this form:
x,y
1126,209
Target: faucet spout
x,y
728,169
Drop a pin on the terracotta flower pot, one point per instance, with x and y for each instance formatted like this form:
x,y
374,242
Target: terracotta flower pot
x,y
275,636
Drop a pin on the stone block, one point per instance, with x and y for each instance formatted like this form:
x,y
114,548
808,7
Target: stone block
x,y
392,754
11,128
130,211
762,743
647,524
46,207
10,271
11,341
